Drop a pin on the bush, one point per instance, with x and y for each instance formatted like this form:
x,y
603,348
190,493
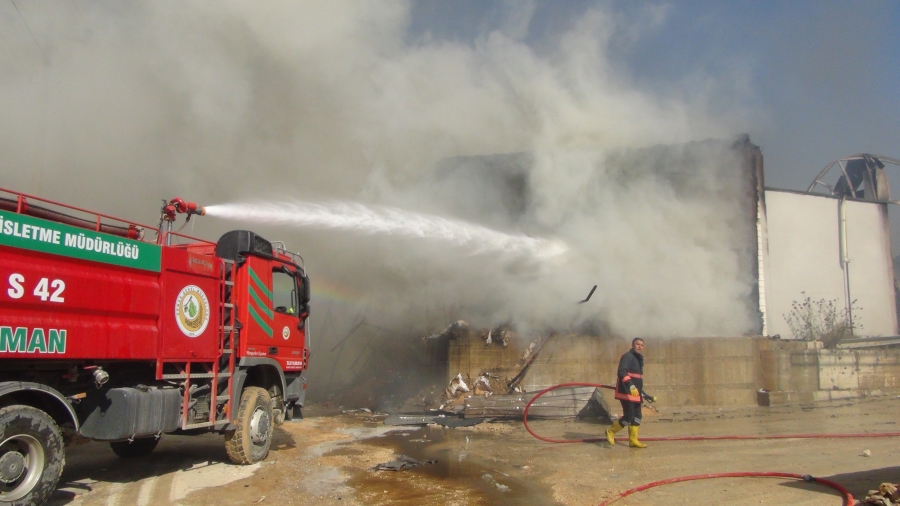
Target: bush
x,y
822,320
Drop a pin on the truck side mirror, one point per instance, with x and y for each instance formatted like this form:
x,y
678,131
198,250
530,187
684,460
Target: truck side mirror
x,y
304,291
304,294
304,314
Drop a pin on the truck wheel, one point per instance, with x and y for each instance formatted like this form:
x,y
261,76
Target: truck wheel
x,y
31,456
250,441
133,449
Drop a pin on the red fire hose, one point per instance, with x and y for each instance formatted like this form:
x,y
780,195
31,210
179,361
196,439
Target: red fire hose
x,y
848,498
683,438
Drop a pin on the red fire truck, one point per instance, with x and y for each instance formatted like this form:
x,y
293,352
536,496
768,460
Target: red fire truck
x,y
113,336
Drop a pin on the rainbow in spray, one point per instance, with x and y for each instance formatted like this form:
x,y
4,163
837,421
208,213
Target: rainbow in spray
x,y
352,216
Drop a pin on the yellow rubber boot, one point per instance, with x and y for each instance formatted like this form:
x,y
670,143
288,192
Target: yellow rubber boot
x,y
633,437
611,432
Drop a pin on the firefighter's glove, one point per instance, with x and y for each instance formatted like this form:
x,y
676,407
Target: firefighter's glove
x,y
634,391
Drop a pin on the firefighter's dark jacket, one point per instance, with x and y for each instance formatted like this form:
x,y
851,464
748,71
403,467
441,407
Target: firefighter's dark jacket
x,y
631,372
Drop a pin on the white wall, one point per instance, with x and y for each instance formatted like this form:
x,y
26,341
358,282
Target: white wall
x,y
804,255
871,268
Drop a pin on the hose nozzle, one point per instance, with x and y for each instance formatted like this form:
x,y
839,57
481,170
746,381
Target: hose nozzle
x,y
178,205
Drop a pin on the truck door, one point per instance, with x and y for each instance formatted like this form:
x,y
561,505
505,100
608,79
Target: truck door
x,y
271,312
289,312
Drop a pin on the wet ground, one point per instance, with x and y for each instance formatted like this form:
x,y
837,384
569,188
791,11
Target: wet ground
x,y
327,459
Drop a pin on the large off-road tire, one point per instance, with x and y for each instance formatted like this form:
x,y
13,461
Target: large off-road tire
x,y
249,442
134,449
31,456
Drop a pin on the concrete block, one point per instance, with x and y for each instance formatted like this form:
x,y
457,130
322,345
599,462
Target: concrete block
x,y
834,395
839,357
882,376
804,358
839,377
781,398
886,357
790,345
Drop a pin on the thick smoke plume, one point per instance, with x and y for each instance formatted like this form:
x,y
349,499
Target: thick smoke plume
x,y
114,106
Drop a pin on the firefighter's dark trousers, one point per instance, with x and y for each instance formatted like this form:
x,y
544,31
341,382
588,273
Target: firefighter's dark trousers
x,y
631,413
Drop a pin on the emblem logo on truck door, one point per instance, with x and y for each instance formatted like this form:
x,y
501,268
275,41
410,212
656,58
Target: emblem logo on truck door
x,y
286,333
192,310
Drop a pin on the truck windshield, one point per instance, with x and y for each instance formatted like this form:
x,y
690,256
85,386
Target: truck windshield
x,y
283,292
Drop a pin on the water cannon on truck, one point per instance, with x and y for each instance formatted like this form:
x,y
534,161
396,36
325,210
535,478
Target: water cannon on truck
x,y
111,335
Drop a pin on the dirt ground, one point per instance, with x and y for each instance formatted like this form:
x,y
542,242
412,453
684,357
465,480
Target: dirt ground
x,y
327,459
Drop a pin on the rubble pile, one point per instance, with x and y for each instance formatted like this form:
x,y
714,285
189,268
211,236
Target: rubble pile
x,y
498,335
887,494
496,392
485,385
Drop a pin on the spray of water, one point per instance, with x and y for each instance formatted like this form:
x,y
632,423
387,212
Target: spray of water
x,y
353,216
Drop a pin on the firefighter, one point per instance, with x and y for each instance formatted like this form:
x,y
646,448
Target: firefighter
x,y
630,392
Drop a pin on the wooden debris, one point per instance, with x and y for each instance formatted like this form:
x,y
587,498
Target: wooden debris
x,y
513,383
527,354
456,387
561,403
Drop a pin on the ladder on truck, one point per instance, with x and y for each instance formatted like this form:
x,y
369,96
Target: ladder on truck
x,y
218,371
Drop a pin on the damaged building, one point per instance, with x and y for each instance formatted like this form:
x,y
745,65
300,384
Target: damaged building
x,y
817,305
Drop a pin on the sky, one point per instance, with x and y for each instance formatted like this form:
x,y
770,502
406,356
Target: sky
x,y
355,106
817,80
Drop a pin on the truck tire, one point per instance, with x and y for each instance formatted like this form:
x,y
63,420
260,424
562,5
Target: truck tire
x,y
31,456
140,447
249,442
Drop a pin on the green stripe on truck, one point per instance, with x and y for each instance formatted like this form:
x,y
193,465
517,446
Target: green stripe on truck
x,y
36,234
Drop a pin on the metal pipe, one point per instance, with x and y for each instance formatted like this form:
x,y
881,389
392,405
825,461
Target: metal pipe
x,y
129,232
168,232
818,178
845,261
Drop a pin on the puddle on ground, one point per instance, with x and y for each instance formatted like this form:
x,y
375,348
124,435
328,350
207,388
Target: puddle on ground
x,y
346,452
454,473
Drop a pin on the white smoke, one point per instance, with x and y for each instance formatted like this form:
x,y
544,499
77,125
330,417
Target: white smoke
x,y
114,106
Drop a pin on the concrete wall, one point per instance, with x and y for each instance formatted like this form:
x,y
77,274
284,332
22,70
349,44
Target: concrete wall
x,y
695,371
803,259
797,371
